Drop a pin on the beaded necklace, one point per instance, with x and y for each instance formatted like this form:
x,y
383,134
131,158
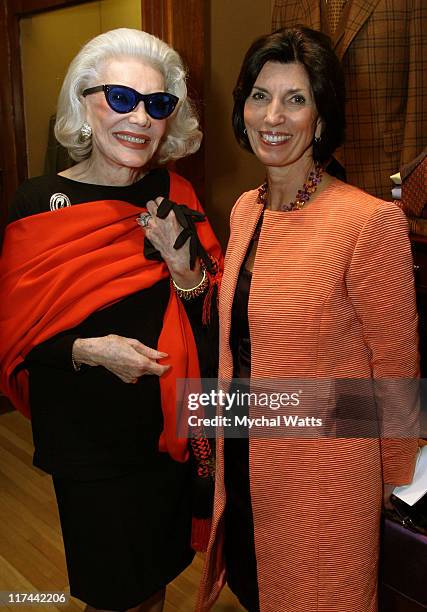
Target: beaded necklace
x,y
303,195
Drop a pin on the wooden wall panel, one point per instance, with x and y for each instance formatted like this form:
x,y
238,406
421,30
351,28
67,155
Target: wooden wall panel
x,y
182,24
25,7
13,160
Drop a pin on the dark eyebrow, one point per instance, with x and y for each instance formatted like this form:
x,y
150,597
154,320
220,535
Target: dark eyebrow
x,y
290,91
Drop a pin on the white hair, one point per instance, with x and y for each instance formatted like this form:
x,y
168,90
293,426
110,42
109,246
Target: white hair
x,y
182,134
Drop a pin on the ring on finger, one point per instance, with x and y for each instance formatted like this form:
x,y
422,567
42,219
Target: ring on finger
x,y
143,219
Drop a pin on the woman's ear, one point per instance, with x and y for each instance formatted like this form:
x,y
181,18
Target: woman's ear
x,y
319,128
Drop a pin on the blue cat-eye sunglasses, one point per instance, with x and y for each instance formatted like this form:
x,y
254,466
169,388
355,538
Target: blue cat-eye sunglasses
x,y
122,99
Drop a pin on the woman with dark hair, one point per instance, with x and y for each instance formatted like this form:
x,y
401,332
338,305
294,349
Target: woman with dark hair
x,y
317,288
106,281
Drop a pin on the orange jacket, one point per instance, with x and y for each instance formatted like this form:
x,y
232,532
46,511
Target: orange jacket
x,y
332,297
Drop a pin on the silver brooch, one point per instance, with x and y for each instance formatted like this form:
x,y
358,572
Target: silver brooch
x,y
59,200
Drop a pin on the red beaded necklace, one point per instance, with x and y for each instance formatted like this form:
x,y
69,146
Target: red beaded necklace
x,y
303,195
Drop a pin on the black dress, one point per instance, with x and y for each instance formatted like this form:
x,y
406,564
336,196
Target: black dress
x,y
239,547
124,506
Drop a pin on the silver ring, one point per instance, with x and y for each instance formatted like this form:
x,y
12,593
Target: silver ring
x,y
143,219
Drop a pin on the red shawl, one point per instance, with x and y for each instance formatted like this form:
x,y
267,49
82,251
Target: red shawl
x,y
58,267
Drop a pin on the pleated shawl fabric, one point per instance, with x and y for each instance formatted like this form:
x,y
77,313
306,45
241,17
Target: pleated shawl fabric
x,y
332,295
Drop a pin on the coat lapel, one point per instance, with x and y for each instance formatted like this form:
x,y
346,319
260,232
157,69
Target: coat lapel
x,y
358,13
243,224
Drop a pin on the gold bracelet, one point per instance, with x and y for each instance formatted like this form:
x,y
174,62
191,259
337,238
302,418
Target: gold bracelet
x,y
189,294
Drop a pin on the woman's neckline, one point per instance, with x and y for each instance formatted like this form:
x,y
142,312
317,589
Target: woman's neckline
x,y
311,205
101,186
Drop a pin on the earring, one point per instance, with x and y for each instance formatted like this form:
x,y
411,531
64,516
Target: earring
x,y
245,131
85,132
317,139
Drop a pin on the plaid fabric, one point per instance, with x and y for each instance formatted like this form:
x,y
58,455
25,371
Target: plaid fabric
x,y
414,189
384,55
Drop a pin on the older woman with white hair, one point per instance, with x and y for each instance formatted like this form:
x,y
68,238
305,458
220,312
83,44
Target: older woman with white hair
x,y
102,317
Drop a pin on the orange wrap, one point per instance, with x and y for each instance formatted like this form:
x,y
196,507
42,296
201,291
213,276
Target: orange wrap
x,y
59,267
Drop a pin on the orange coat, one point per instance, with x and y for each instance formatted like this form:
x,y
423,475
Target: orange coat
x,y
332,295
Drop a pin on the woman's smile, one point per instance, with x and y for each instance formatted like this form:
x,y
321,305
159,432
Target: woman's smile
x,y
274,138
132,140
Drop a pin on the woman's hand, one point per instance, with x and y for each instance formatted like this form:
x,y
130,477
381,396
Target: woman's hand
x,y
162,233
127,358
387,491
